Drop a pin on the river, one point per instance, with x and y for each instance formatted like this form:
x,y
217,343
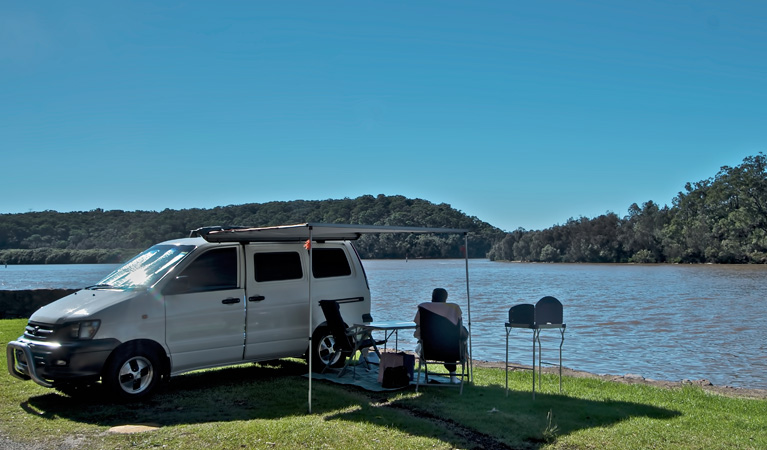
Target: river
x,y
666,322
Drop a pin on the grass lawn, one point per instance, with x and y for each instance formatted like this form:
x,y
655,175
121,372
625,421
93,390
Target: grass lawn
x,y
265,406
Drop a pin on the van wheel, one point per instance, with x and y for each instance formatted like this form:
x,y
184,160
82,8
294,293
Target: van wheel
x,y
324,356
132,373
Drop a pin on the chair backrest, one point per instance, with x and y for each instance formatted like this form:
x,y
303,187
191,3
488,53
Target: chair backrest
x,y
440,338
336,324
548,310
522,314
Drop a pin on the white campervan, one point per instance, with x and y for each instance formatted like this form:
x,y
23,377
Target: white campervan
x,y
190,304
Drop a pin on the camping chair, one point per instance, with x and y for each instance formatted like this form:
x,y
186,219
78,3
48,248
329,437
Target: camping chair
x,y
346,340
548,315
441,343
548,311
520,316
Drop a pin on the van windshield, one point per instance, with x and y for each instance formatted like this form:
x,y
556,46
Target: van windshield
x,y
147,268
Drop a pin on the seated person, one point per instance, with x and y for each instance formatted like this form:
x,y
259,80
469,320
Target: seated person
x,y
450,311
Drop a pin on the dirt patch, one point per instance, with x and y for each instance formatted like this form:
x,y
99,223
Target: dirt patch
x,y
133,429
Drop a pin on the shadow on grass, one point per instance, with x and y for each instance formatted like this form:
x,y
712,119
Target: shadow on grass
x,y
485,414
234,393
278,390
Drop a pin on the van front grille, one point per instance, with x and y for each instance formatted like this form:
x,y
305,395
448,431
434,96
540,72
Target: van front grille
x,y
39,331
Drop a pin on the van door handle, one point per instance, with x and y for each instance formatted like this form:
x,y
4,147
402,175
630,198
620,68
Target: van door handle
x,y
230,301
256,298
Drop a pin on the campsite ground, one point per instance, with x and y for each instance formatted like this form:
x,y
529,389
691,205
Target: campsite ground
x,y
263,406
638,379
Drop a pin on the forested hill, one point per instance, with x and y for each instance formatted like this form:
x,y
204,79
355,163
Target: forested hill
x,y
719,220
113,236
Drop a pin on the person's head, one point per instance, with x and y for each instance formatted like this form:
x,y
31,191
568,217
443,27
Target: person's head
x,y
439,295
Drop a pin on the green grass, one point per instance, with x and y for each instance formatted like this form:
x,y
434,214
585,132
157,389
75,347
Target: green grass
x,y
265,406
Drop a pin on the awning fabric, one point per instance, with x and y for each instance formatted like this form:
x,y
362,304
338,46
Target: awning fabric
x,y
317,232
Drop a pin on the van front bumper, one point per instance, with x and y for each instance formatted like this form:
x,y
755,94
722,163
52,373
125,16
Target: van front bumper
x,y
50,362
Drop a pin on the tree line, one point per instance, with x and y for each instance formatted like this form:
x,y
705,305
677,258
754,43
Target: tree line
x,y
99,236
722,219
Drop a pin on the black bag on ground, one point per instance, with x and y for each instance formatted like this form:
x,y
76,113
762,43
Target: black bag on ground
x,y
390,359
395,377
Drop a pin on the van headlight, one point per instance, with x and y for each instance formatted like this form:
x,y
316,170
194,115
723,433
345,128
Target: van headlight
x,y
84,330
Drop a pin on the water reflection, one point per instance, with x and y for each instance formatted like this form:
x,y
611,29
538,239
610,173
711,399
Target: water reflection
x,y
660,321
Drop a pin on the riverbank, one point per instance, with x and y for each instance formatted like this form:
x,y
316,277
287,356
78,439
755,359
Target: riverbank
x,y
22,303
665,322
706,385
236,408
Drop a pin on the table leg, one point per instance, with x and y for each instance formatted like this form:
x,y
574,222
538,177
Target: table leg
x,y
386,339
561,343
534,336
540,362
507,360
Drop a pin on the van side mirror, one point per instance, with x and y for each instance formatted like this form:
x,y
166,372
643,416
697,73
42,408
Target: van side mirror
x,y
178,285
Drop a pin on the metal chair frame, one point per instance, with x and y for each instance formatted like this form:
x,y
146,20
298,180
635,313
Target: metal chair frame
x,y
347,340
441,343
546,314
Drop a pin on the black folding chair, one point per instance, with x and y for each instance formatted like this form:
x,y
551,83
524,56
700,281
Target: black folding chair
x,y
520,316
347,341
441,343
548,311
548,315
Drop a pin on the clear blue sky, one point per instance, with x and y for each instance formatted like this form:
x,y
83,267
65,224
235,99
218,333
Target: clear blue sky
x,y
522,114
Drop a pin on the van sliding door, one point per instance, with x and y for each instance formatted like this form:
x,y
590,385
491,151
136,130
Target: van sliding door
x,y
277,301
204,310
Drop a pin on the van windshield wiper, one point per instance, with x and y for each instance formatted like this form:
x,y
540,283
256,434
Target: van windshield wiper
x,y
101,286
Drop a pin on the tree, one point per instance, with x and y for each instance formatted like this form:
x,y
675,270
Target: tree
x,y
722,219
549,254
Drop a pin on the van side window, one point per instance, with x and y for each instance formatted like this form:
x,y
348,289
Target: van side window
x,y
277,266
214,270
330,262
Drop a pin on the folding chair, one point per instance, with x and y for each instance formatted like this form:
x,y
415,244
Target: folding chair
x,y
548,315
520,316
346,340
441,343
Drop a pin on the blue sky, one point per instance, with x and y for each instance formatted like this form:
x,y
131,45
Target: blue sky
x,y
523,114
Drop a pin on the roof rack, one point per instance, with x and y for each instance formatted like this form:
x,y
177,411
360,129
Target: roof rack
x,y
203,231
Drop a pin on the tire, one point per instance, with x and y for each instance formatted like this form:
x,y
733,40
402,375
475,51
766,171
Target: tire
x,y
132,373
323,355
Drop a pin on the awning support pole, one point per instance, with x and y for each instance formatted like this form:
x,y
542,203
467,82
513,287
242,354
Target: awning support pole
x,y
468,302
311,309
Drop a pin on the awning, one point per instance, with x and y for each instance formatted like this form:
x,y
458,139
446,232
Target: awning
x,y
320,232
317,232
